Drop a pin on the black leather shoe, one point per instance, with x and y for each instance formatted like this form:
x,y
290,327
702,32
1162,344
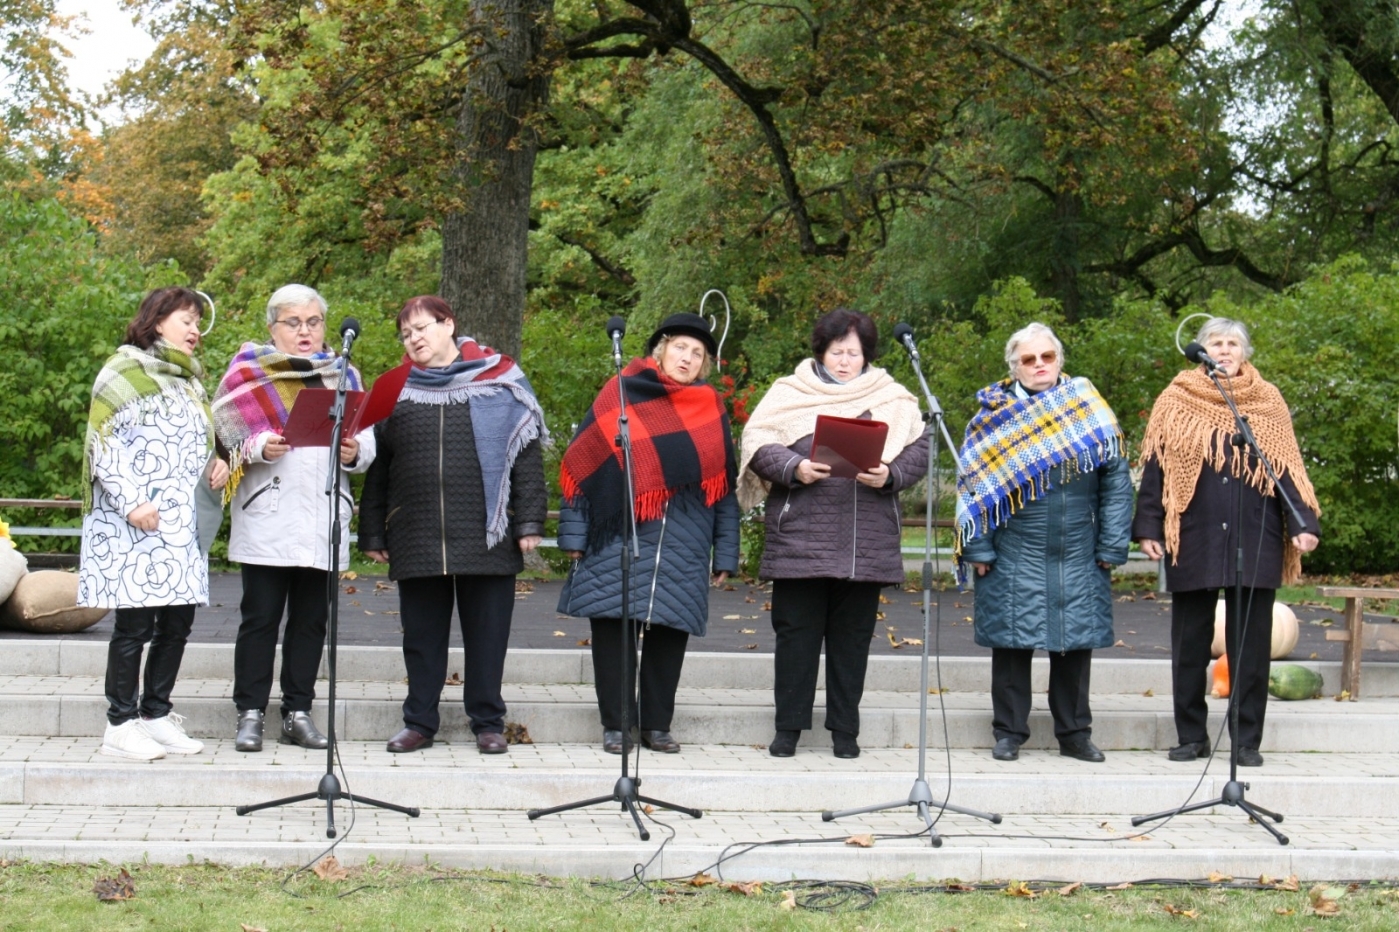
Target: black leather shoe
x,y
1006,749
249,736
660,741
612,740
784,744
846,747
408,740
1083,749
1249,757
1190,750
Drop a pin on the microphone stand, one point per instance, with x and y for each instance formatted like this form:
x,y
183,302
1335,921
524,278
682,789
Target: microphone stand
x,y
329,788
1233,792
625,790
921,795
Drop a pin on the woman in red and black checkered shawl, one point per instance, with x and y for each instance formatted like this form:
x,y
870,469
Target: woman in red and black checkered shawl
x,y
686,524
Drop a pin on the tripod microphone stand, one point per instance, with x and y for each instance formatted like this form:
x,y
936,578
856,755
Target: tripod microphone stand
x,y
329,787
921,795
1233,793
625,790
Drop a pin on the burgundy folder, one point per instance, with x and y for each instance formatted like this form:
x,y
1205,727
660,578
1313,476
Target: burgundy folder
x,y
310,423
848,445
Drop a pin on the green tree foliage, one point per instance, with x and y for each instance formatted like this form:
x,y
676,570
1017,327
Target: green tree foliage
x,y
36,106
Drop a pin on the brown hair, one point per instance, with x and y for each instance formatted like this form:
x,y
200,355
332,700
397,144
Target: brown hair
x,y
837,324
429,304
157,306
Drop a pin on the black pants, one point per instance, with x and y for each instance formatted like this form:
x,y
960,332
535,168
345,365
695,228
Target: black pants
x,y
1192,631
806,612
1069,674
484,606
166,629
662,657
268,592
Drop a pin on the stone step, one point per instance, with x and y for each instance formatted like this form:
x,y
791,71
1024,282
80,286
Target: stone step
x,y
702,670
74,706
71,772
602,842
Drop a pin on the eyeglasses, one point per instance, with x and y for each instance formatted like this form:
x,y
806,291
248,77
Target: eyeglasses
x,y
1047,357
407,333
296,323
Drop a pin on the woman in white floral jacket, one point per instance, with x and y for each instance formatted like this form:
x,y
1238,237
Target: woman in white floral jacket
x,y
149,445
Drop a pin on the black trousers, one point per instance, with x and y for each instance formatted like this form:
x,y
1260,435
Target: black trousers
x,y
166,629
806,612
484,606
662,657
268,592
1069,674
1192,630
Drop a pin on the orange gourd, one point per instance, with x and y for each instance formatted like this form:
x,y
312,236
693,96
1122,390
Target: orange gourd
x,y
1219,678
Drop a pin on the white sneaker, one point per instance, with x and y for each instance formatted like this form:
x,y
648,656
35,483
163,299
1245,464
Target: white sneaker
x,y
130,740
169,733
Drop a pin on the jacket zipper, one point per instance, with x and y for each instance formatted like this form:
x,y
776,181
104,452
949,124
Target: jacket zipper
x,y
656,570
276,480
854,525
441,490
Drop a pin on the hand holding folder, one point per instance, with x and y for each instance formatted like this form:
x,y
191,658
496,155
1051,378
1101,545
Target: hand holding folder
x,y
310,423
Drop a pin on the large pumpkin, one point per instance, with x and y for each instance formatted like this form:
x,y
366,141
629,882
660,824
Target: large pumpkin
x,y
1284,629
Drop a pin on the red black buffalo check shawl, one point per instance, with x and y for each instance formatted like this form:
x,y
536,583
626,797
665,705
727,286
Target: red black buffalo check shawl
x,y
680,440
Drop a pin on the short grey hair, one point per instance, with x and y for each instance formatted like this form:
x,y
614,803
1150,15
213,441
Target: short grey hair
x,y
1029,332
1226,327
293,296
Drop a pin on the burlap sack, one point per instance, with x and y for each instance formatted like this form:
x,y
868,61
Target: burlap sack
x,y
46,602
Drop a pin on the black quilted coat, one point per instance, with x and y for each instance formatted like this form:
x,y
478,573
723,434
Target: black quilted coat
x,y
835,528
425,504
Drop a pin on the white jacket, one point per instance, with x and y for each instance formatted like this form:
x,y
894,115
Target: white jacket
x,y
281,514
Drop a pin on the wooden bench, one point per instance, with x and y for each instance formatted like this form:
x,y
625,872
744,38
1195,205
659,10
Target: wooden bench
x,y
1357,634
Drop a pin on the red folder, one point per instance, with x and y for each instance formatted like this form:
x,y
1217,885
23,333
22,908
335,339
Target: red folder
x,y
848,445
310,423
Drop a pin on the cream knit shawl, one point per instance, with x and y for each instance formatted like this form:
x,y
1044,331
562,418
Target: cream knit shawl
x,y
788,412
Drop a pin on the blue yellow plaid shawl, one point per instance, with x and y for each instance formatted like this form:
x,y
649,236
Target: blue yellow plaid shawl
x,y
1013,446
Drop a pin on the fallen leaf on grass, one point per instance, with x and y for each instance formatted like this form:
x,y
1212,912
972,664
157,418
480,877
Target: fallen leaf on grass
x,y
1126,885
1019,888
515,733
329,870
1324,904
1216,877
247,928
114,889
701,880
1177,911
789,900
1284,912
1290,885
751,888
1071,889
861,841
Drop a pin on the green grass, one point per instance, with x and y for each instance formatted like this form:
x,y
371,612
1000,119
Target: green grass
x,y
204,896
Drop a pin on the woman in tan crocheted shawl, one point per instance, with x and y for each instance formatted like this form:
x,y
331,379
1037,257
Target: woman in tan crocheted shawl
x,y
1187,514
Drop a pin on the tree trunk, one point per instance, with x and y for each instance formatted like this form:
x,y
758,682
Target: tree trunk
x,y
485,246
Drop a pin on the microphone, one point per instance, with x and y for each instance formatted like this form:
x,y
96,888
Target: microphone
x,y
349,331
616,327
903,333
1196,353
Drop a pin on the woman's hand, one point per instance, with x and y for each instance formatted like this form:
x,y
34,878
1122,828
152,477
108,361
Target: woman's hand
x,y
574,554
218,475
529,542
275,448
1305,542
808,472
720,578
982,568
1153,549
876,478
145,517
349,450
378,556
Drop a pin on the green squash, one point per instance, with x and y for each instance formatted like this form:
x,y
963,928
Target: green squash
x,y
1291,681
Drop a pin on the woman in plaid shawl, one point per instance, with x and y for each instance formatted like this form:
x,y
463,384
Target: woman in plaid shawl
x,y
149,446
281,513
686,523
1044,504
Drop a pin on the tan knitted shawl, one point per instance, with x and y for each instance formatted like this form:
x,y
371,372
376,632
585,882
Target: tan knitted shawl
x,y
788,412
1191,426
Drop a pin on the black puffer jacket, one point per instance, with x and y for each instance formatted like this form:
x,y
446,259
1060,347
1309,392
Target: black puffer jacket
x,y
834,528
425,504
